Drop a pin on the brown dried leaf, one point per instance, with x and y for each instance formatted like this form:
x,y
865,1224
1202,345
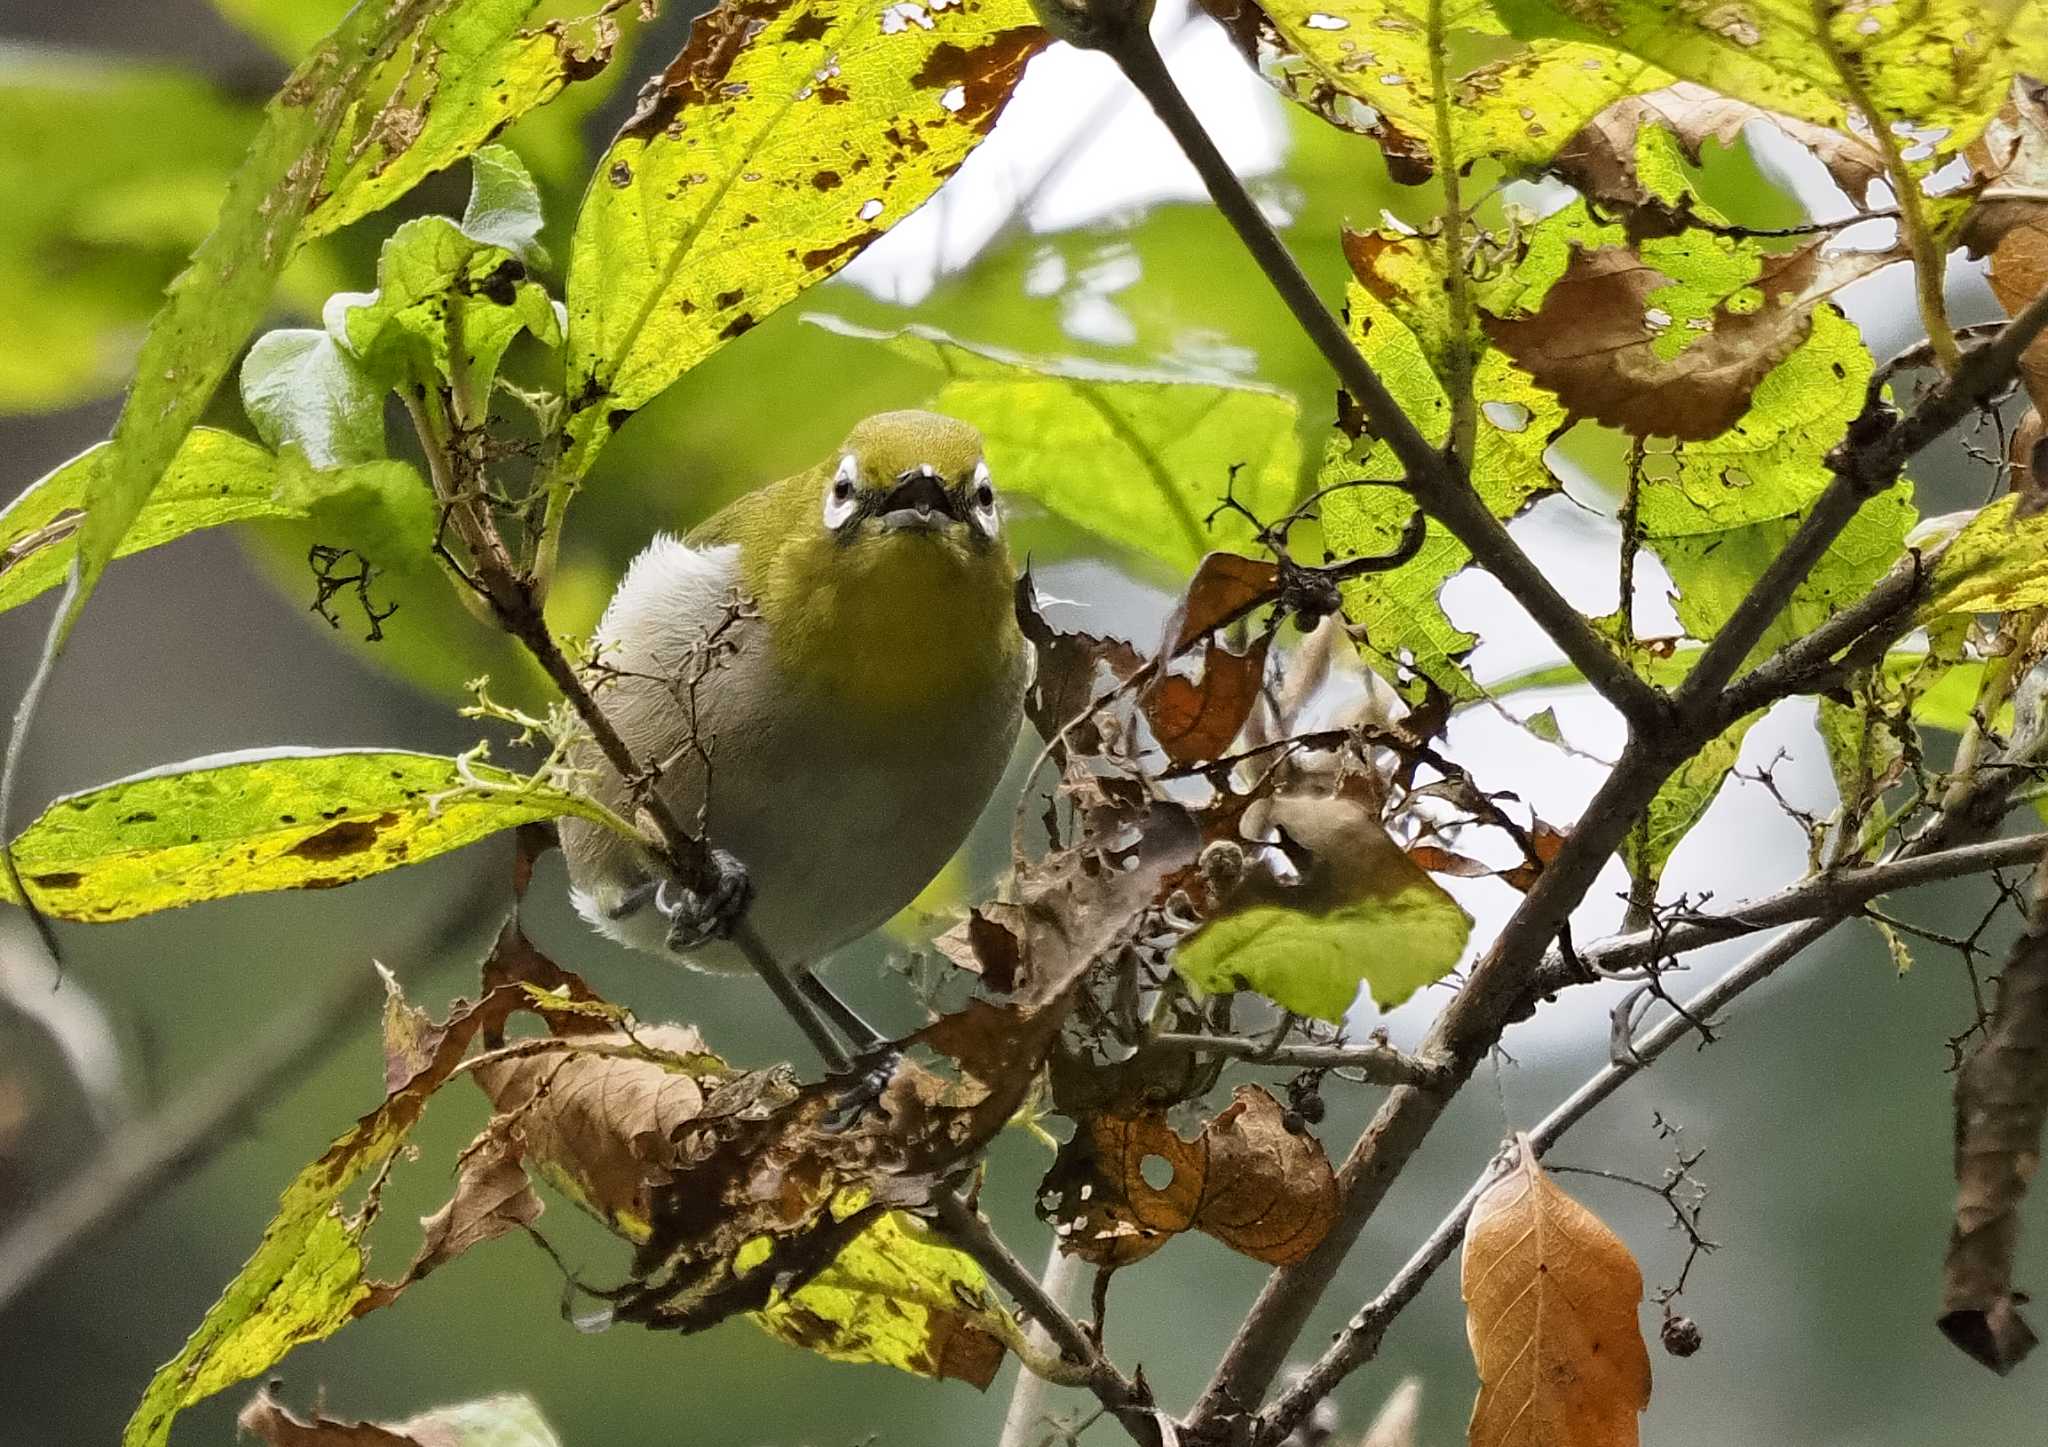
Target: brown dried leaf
x,y
2019,273
2001,1109
506,1419
1195,719
492,1196
1550,1308
1594,341
2027,454
1224,589
1069,672
1601,159
1247,1180
267,1419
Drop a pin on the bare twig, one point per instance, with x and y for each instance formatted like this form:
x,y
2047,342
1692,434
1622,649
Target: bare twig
x,y
1378,1064
1023,1422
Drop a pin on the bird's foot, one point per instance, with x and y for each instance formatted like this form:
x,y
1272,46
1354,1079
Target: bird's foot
x,y
696,917
862,1093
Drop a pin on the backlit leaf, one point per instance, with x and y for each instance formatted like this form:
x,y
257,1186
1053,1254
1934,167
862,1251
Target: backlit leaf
x,y
1939,68
1997,562
785,137
1386,68
216,478
246,823
1361,911
302,389
1679,804
1550,1309
477,68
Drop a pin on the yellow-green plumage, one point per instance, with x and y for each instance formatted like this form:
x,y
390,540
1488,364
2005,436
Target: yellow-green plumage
x,y
859,680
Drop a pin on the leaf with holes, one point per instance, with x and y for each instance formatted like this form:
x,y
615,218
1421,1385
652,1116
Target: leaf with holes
x,y
786,136
1247,1179
1550,1309
263,820
1391,70
1933,73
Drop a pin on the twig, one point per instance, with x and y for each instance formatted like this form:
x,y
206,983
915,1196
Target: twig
x,y
1130,1402
1378,1064
1975,809
136,1161
1434,478
1027,1411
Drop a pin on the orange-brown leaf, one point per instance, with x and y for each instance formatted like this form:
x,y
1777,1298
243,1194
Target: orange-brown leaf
x,y
1550,1307
1195,719
1247,1180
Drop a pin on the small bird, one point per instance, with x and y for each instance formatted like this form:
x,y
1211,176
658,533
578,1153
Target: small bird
x,y
828,673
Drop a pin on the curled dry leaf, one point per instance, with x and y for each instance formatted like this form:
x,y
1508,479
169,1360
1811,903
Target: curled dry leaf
x,y
1247,1180
1550,1308
1070,672
510,1420
2001,1110
1602,343
1601,160
1196,714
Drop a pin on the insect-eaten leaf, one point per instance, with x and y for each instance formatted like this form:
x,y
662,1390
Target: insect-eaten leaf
x,y
1246,1179
247,823
1550,1309
1139,458
1376,66
511,1420
477,68
1072,670
1334,903
778,144
217,478
440,285
1615,341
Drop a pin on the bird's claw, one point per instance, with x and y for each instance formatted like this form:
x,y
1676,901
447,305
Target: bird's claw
x,y
863,1092
696,917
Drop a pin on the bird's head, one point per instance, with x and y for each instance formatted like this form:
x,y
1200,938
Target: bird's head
x,y
914,473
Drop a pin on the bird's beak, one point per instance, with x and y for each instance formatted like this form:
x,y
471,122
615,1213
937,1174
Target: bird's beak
x,y
919,501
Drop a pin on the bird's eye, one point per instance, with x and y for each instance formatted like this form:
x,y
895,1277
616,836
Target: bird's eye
x,y
983,493
841,498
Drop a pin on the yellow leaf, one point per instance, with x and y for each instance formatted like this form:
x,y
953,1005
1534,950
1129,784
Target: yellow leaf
x,y
784,139
1550,1308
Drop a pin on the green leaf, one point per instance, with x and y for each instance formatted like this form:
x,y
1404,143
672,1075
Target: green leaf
x,y
1995,563
1139,458
1680,803
897,1297
1941,66
1394,70
504,204
266,820
90,241
216,478
779,145
1405,627
437,279
1362,911
302,390
477,68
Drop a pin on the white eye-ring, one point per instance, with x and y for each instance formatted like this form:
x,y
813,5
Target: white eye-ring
x,y
981,496
842,497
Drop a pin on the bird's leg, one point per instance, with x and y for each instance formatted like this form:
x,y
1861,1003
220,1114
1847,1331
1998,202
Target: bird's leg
x,y
697,917
864,1092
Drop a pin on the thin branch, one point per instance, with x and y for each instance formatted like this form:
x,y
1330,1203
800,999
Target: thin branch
x,y
1974,810
1129,1401
1434,478
1379,1064
1027,1411
1835,895
140,1158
